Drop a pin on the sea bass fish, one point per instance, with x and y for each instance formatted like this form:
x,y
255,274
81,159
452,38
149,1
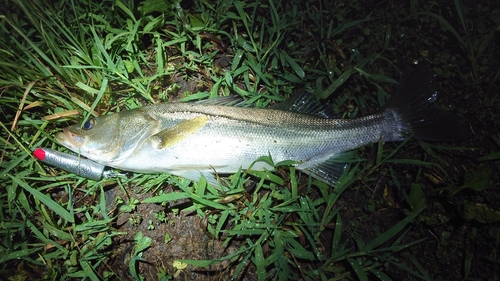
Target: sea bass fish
x,y
194,139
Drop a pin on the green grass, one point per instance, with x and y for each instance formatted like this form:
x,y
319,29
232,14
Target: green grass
x,y
65,62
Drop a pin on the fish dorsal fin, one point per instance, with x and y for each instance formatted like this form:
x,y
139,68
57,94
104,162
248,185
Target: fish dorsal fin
x,y
175,134
305,103
225,101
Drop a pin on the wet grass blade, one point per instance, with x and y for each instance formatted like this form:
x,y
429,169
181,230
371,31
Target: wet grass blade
x,y
358,269
51,204
21,254
393,231
336,84
89,271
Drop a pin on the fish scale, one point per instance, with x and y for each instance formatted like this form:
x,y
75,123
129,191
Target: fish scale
x,y
195,139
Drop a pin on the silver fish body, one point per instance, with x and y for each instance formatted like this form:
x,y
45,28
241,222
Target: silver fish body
x,y
194,139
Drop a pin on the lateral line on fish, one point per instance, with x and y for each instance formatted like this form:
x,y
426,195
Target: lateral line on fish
x,y
162,138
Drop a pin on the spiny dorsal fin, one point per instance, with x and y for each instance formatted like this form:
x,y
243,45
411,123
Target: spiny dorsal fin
x,y
305,103
225,101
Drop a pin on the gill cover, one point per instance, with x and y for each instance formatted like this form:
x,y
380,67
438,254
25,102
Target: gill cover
x,y
109,139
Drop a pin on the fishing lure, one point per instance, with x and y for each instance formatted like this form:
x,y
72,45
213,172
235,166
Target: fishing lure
x,y
72,163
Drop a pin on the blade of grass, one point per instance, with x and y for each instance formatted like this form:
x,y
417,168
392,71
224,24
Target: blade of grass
x,y
358,269
51,204
387,235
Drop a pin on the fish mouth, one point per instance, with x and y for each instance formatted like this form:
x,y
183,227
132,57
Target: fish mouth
x,y
71,140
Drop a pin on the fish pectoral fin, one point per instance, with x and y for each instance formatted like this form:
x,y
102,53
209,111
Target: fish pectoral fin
x,y
175,134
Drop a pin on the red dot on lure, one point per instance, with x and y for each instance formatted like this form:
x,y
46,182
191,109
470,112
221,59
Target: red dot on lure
x,y
39,154
72,163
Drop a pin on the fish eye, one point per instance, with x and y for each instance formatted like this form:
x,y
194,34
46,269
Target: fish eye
x,y
89,124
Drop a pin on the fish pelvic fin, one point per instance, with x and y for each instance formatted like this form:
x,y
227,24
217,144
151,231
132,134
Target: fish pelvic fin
x,y
195,175
413,102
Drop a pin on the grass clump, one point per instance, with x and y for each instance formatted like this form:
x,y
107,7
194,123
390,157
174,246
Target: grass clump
x,y
65,62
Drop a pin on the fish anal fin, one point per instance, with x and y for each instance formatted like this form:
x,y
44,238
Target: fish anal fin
x,y
175,134
328,171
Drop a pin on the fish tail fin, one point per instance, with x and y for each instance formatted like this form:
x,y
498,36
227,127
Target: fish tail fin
x,y
413,103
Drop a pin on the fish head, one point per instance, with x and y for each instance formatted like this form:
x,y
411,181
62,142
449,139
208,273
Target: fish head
x,y
97,139
109,139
